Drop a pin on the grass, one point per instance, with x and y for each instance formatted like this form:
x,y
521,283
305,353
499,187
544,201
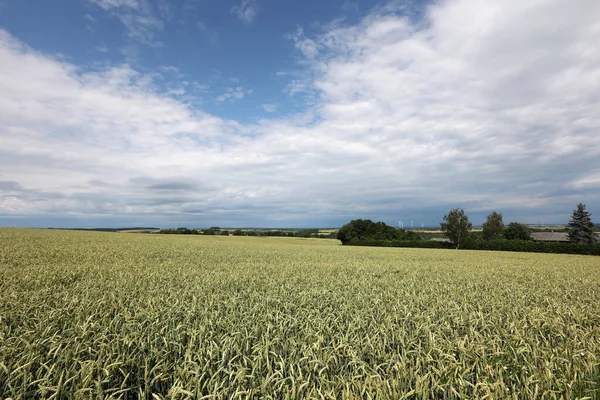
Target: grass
x,y
109,315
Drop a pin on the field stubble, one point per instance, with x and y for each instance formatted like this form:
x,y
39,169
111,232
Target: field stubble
x,y
107,315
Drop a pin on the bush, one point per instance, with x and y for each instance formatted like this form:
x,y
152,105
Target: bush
x,y
365,229
524,246
528,246
425,244
307,233
275,233
179,231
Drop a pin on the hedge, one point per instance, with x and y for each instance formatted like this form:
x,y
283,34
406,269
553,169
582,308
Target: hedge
x,y
491,245
427,244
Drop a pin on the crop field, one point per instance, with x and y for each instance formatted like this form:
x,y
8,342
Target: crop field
x,y
94,315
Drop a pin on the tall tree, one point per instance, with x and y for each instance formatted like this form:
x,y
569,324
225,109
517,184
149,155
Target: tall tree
x,y
581,228
493,226
516,231
457,226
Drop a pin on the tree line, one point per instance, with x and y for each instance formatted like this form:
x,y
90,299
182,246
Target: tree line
x,y
457,228
494,235
216,231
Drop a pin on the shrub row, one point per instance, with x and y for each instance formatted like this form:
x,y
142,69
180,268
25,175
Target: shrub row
x,y
492,245
426,244
307,233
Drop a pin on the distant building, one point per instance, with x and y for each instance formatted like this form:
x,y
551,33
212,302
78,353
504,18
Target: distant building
x,y
443,240
553,236
550,236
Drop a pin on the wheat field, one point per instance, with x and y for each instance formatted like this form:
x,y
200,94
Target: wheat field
x,y
90,315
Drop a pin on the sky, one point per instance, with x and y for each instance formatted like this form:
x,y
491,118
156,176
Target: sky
x,y
309,113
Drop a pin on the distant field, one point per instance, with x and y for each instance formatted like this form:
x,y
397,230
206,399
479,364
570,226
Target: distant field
x,y
103,315
139,231
327,231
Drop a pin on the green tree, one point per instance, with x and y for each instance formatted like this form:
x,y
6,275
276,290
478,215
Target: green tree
x,y
403,234
516,231
581,227
493,227
457,226
360,229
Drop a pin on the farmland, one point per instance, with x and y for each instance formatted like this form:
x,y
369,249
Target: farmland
x,y
109,315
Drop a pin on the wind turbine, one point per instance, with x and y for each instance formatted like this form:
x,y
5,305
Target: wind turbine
x,y
412,226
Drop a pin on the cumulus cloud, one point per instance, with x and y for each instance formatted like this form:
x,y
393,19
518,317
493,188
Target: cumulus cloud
x,y
64,130
481,104
246,11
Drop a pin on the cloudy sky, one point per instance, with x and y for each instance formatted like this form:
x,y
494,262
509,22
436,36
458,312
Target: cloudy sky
x,y
296,113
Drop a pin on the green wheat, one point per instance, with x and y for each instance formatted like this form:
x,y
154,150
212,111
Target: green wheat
x,y
90,315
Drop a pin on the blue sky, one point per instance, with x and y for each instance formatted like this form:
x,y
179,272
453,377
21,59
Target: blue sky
x,y
296,113
224,47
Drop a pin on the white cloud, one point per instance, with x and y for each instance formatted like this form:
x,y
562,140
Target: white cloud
x,y
177,92
89,18
246,11
484,105
306,46
166,9
91,22
234,93
587,182
271,108
138,18
170,69
110,4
